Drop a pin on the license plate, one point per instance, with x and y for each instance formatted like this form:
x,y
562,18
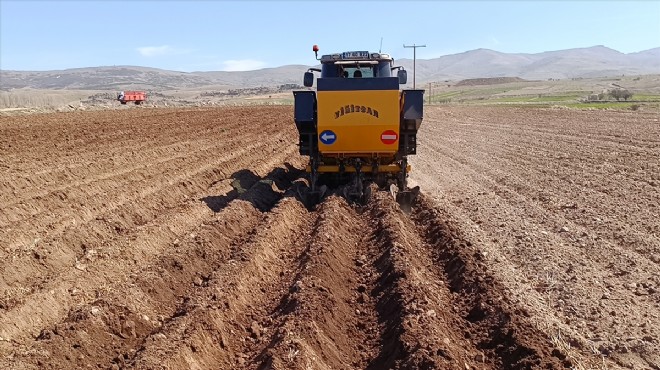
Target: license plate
x,y
355,55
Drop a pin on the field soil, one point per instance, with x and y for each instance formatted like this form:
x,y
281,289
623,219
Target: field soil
x,y
174,239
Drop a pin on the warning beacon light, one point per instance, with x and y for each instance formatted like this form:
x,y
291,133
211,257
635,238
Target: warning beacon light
x,y
315,48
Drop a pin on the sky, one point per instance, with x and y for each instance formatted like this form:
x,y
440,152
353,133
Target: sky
x,y
245,35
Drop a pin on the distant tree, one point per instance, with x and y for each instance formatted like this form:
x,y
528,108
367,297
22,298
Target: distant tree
x,y
615,94
619,94
626,95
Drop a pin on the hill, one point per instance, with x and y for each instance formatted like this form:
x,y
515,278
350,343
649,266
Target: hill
x,y
596,61
589,62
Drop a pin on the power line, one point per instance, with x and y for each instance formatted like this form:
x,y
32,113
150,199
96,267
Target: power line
x,y
414,46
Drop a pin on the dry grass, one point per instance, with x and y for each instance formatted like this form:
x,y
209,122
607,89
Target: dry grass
x,y
28,98
563,346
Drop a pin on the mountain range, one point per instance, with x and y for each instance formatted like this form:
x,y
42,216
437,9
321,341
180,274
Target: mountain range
x,y
595,61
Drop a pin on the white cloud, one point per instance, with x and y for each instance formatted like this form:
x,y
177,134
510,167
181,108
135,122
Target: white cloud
x,y
153,51
243,65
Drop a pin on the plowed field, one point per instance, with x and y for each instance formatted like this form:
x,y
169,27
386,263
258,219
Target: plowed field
x,y
173,239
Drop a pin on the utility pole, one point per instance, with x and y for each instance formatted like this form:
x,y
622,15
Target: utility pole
x,y
414,46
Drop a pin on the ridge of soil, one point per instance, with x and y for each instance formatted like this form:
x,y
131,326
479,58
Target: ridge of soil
x,y
174,239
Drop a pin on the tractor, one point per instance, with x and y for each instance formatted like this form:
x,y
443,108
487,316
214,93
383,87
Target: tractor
x,y
358,127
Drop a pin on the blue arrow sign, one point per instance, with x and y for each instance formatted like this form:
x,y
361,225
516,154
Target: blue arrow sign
x,y
327,137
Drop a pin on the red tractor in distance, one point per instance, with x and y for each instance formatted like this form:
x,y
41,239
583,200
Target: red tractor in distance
x,y
138,97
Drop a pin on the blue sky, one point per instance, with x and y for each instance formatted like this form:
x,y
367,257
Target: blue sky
x,y
227,35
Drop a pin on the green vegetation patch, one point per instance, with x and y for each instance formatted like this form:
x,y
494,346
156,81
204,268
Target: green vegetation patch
x,y
646,97
536,99
614,105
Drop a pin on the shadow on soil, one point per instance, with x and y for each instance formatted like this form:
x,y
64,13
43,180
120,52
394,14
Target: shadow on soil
x,y
262,192
241,180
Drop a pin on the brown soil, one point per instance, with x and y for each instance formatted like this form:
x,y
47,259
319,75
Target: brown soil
x,y
173,239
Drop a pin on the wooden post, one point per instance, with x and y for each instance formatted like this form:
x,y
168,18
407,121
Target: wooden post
x,y
429,93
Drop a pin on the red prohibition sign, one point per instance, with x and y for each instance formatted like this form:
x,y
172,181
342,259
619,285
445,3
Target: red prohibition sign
x,y
388,137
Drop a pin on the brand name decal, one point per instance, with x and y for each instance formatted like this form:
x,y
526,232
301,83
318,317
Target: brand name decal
x,y
355,109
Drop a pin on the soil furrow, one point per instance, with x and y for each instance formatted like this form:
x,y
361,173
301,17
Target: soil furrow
x,y
328,318
414,304
79,205
113,327
215,326
491,322
76,239
139,243
512,188
105,151
92,173
172,238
